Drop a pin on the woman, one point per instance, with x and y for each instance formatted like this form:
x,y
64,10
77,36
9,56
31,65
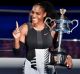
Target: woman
x,y
36,35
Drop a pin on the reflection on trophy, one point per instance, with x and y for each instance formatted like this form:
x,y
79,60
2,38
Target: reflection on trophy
x,y
62,26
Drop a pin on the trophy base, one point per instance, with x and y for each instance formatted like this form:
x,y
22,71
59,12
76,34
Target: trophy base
x,y
58,58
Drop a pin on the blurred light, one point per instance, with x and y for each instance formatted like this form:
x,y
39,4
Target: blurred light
x,y
75,40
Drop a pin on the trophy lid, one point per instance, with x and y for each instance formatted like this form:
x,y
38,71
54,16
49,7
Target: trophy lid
x,y
62,11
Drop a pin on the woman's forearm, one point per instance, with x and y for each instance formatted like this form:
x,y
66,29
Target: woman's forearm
x,y
16,43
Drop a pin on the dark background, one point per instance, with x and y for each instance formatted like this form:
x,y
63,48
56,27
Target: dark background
x,y
31,2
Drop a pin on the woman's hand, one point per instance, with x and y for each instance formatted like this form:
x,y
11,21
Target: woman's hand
x,y
68,61
16,32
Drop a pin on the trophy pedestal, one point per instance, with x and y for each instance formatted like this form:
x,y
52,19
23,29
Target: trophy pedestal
x,y
58,58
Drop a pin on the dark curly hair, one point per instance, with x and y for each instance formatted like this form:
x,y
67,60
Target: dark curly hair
x,y
49,8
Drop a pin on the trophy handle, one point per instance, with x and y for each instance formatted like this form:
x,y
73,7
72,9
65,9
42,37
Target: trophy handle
x,y
76,24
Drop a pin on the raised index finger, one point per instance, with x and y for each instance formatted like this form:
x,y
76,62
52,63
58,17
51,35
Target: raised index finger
x,y
17,26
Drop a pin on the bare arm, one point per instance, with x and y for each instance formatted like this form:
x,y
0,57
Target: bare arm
x,y
19,34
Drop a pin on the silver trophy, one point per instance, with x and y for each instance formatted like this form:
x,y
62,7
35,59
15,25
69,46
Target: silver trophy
x,y
62,26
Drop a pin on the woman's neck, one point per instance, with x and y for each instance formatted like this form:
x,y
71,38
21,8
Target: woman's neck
x,y
39,26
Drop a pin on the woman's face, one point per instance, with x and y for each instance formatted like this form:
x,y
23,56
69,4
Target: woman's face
x,y
37,14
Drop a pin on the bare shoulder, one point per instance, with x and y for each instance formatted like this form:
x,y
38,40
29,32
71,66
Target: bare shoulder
x,y
24,28
24,25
